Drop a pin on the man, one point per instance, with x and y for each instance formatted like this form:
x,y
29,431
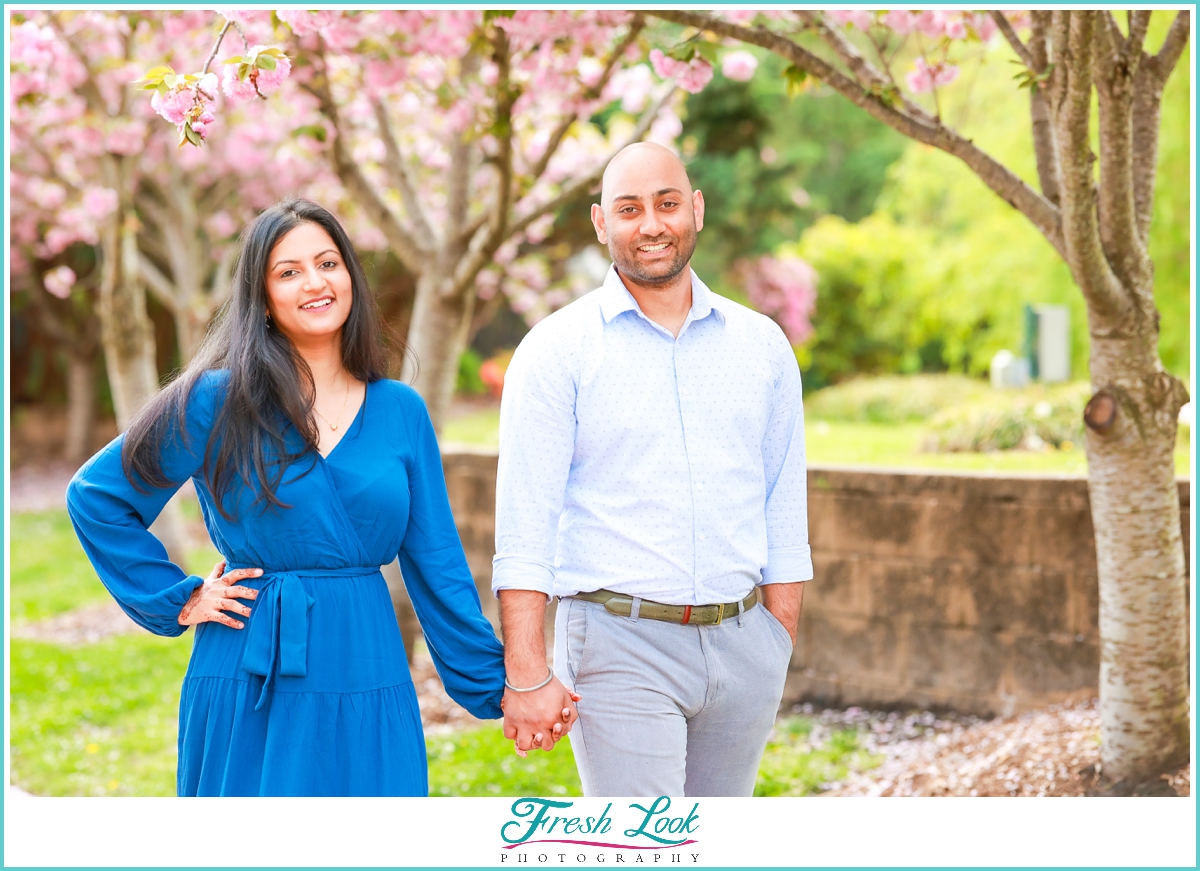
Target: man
x,y
652,476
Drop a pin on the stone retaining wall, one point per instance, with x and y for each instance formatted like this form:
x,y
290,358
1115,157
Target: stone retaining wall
x,y
970,592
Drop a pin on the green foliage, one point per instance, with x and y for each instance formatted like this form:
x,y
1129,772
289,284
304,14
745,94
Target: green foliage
x,y
482,762
1029,418
758,155
894,399
468,382
937,277
791,766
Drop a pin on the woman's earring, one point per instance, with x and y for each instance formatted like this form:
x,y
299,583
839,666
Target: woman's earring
x,y
267,319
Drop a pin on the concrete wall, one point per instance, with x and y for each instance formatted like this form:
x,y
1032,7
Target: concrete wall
x,y
976,593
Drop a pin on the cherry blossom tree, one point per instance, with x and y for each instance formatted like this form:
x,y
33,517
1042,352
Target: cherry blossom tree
x,y
458,134
1099,223
90,166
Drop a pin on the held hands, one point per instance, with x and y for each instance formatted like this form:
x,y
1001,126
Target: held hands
x,y
219,594
539,718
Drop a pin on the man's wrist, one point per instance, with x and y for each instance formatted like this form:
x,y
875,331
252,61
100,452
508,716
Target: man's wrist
x,y
523,688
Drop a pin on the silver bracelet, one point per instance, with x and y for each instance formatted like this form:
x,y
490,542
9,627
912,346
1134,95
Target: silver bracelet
x,y
549,678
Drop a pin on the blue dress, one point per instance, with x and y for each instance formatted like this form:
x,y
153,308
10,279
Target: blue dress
x,y
313,696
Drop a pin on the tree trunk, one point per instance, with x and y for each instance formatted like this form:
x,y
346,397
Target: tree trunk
x,y
190,328
1143,609
81,406
127,336
436,339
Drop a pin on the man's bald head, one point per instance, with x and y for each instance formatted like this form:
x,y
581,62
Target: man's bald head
x,y
635,162
649,216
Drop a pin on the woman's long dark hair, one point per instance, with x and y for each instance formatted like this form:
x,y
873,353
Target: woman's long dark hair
x,y
270,385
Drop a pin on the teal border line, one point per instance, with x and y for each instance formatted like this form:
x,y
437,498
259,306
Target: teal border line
x,y
5,369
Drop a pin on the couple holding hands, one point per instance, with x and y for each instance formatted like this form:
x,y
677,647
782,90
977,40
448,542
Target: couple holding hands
x,y
651,476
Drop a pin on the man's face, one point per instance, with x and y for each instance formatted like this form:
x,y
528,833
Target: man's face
x,y
649,216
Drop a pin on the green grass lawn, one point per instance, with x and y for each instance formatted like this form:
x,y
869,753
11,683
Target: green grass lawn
x,y
102,719
865,444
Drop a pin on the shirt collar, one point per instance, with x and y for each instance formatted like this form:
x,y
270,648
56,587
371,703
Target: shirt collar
x,y
615,298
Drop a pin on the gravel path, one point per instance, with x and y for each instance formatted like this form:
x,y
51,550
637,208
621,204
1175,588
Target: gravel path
x,y
1050,752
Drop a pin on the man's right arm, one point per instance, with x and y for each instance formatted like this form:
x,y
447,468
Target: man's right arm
x,y
537,442
541,717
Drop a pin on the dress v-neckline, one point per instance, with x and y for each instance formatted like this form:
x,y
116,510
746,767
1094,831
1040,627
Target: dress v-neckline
x,y
353,422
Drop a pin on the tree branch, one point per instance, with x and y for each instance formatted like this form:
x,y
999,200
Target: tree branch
x,y
397,170
635,27
1118,227
1172,47
481,253
1015,41
1139,25
1002,181
212,55
1081,235
459,183
865,73
1045,150
1148,84
357,184
89,88
158,284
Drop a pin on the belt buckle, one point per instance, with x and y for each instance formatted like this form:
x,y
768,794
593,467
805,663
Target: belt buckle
x,y
720,613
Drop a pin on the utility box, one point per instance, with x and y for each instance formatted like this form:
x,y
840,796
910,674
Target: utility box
x,y
1007,370
1048,342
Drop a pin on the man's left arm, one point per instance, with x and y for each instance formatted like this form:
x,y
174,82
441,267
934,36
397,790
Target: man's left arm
x,y
789,558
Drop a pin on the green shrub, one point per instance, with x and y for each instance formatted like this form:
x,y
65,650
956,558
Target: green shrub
x,y
894,398
1031,419
468,382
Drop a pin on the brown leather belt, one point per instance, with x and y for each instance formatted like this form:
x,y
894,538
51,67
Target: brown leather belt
x,y
691,615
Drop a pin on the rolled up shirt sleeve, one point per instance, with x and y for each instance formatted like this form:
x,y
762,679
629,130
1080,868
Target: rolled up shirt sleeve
x,y
537,442
789,557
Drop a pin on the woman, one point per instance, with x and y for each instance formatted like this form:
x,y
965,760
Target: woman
x,y
312,470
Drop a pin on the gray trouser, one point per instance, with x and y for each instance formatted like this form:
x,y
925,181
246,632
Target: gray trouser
x,y
670,709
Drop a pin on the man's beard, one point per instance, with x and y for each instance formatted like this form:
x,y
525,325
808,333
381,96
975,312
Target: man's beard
x,y
658,273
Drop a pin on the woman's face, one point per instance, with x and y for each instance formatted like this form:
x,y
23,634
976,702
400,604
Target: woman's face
x,y
308,286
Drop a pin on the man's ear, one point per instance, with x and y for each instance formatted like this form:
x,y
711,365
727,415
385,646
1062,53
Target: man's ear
x,y
598,223
698,209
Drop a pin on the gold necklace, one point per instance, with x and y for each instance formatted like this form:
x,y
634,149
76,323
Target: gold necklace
x,y
334,426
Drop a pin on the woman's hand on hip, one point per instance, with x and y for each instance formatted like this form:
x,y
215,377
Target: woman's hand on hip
x,y
219,593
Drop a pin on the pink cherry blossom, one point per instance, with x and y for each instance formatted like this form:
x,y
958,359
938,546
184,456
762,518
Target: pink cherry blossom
x,y
174,105
303,22
739,66
126,138
221,225
924,78
99,202
696,77
860,18
784,288
270,80
666,67
237,90
740,16
900,21
243,16
59,281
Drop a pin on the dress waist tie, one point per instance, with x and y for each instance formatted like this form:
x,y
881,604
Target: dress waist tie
x,y
278,630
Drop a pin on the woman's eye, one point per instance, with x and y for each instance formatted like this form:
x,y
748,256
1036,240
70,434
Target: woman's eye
x,y
287,273
330,263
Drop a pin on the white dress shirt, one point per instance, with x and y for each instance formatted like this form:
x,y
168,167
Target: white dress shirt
x,y
666,468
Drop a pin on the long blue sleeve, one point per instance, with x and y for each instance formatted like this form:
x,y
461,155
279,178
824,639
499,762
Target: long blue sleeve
x,y
112,519
468,656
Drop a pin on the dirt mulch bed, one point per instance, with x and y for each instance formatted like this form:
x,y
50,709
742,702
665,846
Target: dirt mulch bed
x,y
1049,752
